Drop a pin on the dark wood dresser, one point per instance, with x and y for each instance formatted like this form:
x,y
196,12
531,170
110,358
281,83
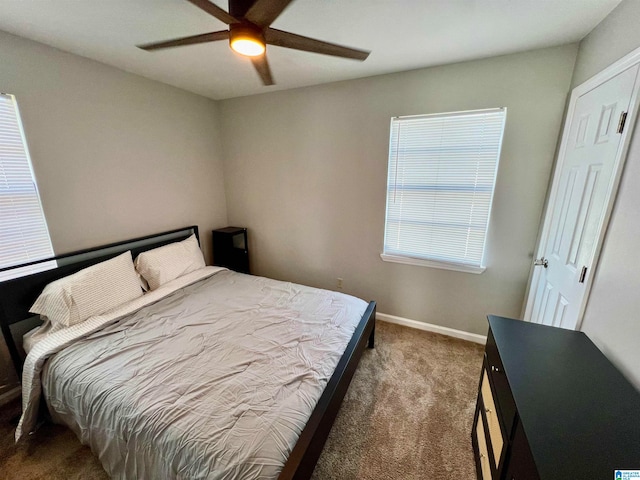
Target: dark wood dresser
x,y
552,406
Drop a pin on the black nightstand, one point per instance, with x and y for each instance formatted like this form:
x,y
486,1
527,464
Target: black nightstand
x,y
230,248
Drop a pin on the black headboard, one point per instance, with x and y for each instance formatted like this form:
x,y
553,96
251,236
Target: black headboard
x,y
17,295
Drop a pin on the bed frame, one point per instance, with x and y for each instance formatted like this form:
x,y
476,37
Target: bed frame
x,y
17,296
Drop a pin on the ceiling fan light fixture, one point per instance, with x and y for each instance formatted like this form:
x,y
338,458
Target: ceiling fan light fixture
x,y
249,24
246,40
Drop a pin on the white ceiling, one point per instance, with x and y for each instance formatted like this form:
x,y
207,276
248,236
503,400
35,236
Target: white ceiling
x,y
402,35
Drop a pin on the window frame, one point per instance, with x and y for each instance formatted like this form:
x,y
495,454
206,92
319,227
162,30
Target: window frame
x,y
435,262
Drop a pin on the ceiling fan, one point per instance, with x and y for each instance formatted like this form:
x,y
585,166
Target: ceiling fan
x,y
249,34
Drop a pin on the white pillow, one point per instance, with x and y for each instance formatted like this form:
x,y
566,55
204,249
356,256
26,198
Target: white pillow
x,y
163,264
91,291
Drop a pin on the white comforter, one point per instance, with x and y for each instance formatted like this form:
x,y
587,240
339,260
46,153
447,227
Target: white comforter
x,y
213,379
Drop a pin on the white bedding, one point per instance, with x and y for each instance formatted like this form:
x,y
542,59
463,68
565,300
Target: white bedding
x,y
55,340
215,380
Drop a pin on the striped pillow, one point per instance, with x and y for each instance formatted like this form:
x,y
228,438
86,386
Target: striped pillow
x,y
91,291
163,264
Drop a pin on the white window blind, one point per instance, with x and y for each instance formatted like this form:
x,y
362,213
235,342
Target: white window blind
x,y
24,236
442,173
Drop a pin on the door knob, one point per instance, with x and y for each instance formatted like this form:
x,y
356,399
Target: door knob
x,y
541,261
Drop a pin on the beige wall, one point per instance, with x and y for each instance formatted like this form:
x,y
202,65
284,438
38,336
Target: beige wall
x,y
305,171
115,155
612,319
617,35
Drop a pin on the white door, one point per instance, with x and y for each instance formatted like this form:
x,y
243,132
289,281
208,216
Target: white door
x,y
587,174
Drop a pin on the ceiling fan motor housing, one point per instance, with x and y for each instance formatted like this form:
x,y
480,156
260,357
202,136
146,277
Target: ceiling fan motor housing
x,y
245,31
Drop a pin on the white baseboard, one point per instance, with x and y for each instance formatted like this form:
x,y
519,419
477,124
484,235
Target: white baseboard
x,y
429,327
10,395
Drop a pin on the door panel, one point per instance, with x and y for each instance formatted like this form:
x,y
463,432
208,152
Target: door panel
x,y
584,234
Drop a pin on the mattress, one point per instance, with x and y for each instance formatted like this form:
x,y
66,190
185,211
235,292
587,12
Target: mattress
x,y
215,380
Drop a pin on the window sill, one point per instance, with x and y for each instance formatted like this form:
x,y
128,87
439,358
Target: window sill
x,y
458,267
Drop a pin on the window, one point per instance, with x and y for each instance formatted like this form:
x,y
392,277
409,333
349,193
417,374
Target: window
x,y
24,236
442,173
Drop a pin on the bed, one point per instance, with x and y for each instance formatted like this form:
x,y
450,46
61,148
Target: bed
x,y
213,375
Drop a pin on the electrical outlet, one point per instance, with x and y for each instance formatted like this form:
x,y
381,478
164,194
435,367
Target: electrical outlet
x,y
339,284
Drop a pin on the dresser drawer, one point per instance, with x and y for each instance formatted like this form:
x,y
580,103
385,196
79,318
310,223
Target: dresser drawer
x,y
505,406
485,468
496,438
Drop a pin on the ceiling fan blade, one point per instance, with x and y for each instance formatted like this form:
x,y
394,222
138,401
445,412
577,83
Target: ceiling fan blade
x,y
298,42
178,42
262,67
264,12
214,10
